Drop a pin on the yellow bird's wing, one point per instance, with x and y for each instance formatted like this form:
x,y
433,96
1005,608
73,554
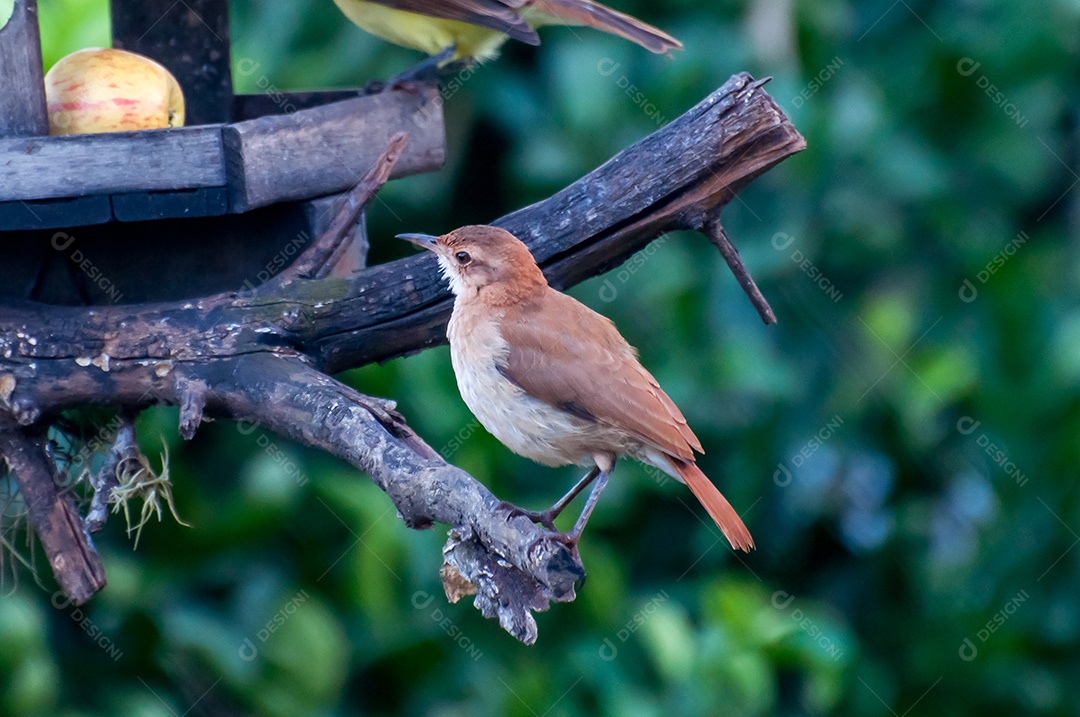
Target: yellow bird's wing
x,y
601,17
499,15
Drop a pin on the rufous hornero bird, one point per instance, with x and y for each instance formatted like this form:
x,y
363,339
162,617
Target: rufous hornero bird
x,y
554,380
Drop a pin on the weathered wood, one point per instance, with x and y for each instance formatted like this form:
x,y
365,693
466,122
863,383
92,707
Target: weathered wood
x,y
326,251
22,87
327,149
52,513
66,213
174,173
150,160
52,214
144,206
296,401
191,39
246,107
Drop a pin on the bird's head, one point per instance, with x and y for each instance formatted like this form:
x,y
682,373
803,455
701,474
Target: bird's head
x,y
475,258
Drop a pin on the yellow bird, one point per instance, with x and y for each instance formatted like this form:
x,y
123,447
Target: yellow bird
x,y
478,28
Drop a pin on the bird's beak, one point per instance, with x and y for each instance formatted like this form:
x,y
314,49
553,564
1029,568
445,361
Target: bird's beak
x,y
424,241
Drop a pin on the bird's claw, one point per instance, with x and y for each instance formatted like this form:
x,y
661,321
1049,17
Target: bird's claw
x,y
545,518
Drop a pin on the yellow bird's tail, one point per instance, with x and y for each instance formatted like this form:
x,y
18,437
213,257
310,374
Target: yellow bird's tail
x,y
601,17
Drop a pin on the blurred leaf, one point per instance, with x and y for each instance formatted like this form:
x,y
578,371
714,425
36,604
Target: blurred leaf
x,y
31,687
21,628
669,637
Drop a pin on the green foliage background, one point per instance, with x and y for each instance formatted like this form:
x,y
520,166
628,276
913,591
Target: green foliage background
x,y
856,435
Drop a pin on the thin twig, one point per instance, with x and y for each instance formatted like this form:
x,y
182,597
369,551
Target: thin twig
x,y
124,447
324,252
715,231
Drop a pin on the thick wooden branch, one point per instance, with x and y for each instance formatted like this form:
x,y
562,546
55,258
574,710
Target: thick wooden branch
x,y
294,400
75,562
679,177
22,85
262,355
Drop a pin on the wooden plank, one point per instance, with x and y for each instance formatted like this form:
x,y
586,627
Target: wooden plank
x,y
247,107
22,87
191,38
143,206
327,149
164,159
54,213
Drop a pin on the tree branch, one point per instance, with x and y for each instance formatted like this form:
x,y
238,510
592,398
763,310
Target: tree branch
x,y
71,553
325,251
492,547
679,177
715,231
124,448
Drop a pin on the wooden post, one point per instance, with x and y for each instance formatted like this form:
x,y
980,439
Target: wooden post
x,y
22,85
191,38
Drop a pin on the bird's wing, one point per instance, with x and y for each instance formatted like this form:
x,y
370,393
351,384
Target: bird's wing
x,y
498,15
584,366
601,17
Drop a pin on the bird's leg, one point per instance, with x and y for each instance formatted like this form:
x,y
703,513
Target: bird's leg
x,y
425,72
557,509
459,66
601,482
547,517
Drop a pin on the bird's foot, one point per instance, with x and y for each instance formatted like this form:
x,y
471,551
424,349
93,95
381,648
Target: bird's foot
x,y
435,71
570,539
545,518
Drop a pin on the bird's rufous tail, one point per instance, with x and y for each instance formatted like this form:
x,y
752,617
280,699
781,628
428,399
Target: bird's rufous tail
x,y
716,504
601,17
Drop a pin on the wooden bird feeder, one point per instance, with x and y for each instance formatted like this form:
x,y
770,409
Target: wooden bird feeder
x,y
249,176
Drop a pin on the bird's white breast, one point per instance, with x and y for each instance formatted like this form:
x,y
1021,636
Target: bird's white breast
x,y
526,425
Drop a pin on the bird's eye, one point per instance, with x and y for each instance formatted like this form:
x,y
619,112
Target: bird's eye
x,y
462,257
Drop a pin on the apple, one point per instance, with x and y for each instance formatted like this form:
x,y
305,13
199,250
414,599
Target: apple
x,y
107,90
